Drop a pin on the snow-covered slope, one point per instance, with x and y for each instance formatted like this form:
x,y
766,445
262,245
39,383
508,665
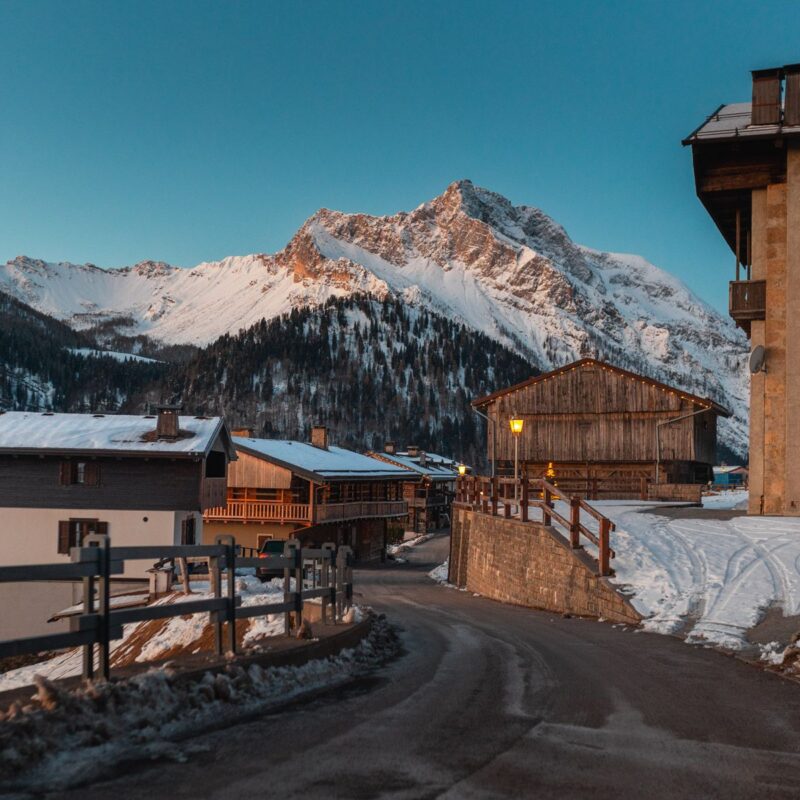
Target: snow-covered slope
x,y
511,272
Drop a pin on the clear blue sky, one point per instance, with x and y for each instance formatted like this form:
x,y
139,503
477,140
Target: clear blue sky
x,y
190,131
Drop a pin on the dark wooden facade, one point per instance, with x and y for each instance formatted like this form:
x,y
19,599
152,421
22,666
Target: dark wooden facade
x,y
597,428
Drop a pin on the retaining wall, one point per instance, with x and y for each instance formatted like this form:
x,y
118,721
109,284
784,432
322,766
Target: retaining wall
x,y
529,564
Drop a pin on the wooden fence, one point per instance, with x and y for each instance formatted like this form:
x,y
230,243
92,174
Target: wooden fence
x,y
99,624
508,498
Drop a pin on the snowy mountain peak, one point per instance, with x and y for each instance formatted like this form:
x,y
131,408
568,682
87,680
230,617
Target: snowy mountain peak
x,y
469,254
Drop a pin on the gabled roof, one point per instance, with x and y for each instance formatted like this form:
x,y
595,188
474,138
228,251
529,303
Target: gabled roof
x,y
436,468
316,464
26,432
593,362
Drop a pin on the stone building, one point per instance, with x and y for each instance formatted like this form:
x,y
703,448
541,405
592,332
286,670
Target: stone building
x,y
747,173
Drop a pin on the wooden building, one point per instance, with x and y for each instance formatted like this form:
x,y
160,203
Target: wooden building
x,y
747,173
428,491
143,480
280,489
602,431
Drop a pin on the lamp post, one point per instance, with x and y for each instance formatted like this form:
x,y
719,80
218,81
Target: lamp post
x,y
516,423
462,470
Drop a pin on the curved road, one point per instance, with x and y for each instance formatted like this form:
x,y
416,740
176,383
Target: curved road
x,y
497,701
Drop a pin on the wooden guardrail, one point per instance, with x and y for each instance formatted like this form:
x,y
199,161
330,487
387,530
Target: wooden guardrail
x,y
509,498
99,624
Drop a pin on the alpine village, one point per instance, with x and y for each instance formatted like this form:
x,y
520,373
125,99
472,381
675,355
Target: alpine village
x,y
438,503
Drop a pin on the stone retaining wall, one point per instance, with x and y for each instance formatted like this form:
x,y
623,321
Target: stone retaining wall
x,y
683,492
529,564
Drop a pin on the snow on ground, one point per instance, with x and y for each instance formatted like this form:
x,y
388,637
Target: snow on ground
x,y
440,573
176,632
62,738
711,580
731,499
406,545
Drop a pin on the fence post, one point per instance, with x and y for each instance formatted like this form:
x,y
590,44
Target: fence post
x,y
495,484
603,561
575,522
229,543
325,579
546,518
523,509
88,608
101,542
290,548
216,616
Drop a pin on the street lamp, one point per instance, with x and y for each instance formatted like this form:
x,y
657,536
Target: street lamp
x,y
516,423
462,470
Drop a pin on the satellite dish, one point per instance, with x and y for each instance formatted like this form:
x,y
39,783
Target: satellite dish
x,y
757,359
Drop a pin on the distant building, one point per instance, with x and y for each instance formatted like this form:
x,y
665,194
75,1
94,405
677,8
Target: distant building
x,y
278,489
747,174
143,480
430,493
602,431
730,477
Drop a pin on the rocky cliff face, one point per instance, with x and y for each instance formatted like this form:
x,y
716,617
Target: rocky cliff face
x,y
507,271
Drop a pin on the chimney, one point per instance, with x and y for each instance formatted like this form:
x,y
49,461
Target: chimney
x,y
791,109
766,97
319,437
423,459
167,424
412,450
243,432
389,448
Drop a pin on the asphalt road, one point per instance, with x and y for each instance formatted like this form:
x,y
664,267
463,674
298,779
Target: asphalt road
x,y
496,701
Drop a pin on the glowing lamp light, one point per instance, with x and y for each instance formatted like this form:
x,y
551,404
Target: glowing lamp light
x,y
462,469
516,425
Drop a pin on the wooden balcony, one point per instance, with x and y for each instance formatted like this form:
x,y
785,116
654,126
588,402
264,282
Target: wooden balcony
x,y
747,302
266,511
361,510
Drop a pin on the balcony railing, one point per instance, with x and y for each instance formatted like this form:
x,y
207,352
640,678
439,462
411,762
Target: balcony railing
x,y
747,302
361,510
262,511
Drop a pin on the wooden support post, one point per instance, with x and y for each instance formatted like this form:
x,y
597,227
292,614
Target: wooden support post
x,y
506,509
643,488
217,616
575,522
325,578
604,567
523,511
594,489
88,608
101,542
495,484
289,549
546,518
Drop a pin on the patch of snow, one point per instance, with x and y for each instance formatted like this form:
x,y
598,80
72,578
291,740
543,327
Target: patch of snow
x,y
61,738
88,352
731,499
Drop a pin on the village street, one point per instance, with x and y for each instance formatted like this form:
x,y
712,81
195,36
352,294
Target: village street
x,y
498,701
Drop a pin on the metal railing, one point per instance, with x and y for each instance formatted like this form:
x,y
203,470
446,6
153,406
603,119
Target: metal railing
x,y
99,624
505,497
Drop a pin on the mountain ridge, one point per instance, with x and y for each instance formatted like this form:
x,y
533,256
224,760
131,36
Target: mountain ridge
x,y
509,272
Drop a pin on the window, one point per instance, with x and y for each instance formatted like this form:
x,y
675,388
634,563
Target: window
x,y
79,473
264,537
188,529
72,532
216,464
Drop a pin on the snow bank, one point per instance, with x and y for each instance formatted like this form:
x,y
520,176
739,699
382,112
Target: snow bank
x,y
405,546
440,573
711,580
61,738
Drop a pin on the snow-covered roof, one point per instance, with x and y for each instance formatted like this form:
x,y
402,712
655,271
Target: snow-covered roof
x,y
37,432
437,468
315,463
733,121
725,470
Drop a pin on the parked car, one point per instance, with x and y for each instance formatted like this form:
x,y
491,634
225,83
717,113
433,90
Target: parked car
x,y
271,548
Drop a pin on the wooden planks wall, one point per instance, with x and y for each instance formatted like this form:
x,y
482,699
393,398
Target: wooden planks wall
x,y
594,414
255,473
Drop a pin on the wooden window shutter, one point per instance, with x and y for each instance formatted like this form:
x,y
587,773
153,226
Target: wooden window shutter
x,y
63,536
92,474
65,473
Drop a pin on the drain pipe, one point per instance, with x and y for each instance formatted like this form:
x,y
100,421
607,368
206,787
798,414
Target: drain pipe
x,y
669,422
494,435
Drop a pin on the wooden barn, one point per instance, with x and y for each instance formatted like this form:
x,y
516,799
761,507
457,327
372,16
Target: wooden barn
x,y
602,431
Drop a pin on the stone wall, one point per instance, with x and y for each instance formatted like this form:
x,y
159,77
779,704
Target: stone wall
x,y
529,564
